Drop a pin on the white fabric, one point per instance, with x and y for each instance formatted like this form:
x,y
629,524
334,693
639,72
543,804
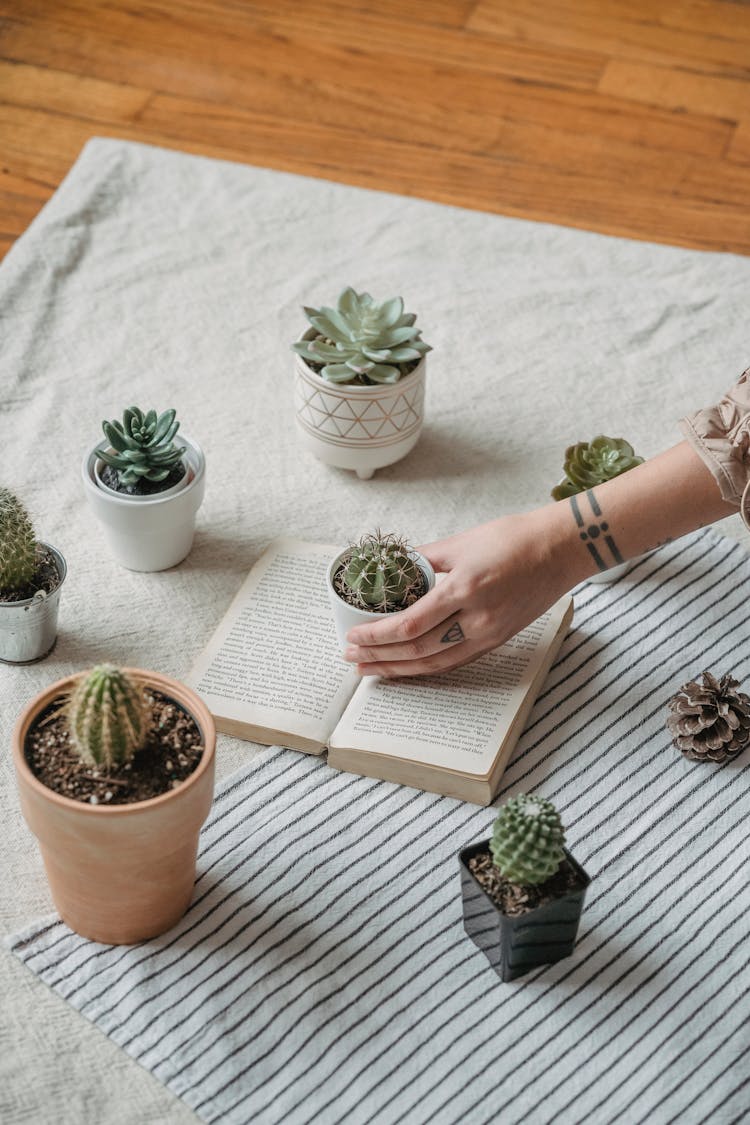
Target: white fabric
x,y
323,974
162,279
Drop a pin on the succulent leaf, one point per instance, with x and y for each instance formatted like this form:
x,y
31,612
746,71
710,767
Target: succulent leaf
x,y
590,463
527,840
381,574
17,543
359,333
143,445
108,716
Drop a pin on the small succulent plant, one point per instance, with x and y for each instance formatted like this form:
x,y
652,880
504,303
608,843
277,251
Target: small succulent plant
x,y
592,462
380,573
17,543
362,340
527,840
143,445
108,716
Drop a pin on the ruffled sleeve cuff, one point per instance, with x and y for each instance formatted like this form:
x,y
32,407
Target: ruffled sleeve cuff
x,y
720,435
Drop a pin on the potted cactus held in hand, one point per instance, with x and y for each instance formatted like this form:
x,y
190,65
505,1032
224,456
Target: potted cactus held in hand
x,y
379,574
146,489
115,771
31,576
589,463
359,382
522,891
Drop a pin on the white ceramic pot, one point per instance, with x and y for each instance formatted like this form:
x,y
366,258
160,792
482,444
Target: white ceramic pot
x,y
359,428
347,616
149,532
28,629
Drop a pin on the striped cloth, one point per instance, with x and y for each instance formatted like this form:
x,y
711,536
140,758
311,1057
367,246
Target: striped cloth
x,y
322,973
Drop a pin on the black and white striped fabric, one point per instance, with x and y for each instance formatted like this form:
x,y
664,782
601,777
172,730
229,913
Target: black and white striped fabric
x,y
322,973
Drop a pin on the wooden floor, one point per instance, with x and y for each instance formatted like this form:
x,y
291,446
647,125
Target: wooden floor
x,y
624,116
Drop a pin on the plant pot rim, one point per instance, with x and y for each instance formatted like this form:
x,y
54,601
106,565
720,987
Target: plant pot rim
x,y
354,388
62,573
174,689
424,565
90,460
484,846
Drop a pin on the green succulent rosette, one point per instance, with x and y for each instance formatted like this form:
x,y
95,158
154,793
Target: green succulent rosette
x,y
142,446
527,840
362,340
592,462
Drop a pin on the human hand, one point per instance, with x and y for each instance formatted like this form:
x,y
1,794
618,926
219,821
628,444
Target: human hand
x,y
499,577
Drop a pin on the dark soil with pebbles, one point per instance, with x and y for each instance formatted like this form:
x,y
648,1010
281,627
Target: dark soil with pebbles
x,y
144,487
173,749
513,898
45,578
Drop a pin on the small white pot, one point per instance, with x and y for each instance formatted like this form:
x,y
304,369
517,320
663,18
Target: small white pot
x,y
149,533
28,628
347,616
354,427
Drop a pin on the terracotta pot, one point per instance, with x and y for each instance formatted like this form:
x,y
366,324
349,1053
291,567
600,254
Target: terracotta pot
x,y
355,427
119,873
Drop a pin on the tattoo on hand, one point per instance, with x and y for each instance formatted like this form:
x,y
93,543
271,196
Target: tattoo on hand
x,y
605,553
455,633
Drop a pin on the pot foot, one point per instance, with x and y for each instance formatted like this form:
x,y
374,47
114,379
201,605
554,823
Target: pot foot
x,y
365,474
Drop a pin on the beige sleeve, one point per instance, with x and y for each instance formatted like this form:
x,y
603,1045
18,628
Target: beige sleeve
x,y
720,435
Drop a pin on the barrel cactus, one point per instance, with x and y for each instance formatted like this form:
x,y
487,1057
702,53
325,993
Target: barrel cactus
x,y
592,462
108,716
380,573
17,543
362,340
527,840
143,445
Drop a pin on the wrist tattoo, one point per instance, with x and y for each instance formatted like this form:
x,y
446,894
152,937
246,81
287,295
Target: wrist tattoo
x,y
595,534
455,633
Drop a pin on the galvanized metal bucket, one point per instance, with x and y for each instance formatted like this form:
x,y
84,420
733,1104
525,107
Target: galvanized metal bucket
x,y
28,629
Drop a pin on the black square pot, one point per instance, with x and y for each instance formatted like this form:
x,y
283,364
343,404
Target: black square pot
x,y
515,945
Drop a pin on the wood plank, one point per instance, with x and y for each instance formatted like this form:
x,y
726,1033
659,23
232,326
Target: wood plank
x,y
61,92
739,149
622,29
715,95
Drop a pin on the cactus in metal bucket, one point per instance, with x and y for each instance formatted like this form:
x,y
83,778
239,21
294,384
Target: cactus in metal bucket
x,y
362,340
527,840
17,543
108,716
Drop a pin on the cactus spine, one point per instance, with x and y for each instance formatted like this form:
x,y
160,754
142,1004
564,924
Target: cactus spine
x,y
17,543
380,573
108,716
527,840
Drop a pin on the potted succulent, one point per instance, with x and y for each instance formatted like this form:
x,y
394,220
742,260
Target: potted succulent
x,y
589,463
115,771
31,577
359,382
379,574
522,890
145,489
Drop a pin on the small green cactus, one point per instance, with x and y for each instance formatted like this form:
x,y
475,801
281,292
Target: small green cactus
x,y
361,340
527,840
17,543
143,445
592,462
380,573
108,716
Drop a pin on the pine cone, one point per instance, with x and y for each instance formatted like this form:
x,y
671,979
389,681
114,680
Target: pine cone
x,y
710,722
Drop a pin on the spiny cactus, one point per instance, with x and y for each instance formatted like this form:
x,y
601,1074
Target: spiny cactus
x,y
143,445
380,573
362,340
108,716
17,543
592,462
527,840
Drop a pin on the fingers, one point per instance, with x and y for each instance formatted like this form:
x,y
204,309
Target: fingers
x,y
446,633
430,665
405,626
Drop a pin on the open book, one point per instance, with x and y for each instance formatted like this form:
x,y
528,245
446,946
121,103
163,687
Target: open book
x,y
273,673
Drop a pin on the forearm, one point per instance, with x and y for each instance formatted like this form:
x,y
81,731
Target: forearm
x,y
662,499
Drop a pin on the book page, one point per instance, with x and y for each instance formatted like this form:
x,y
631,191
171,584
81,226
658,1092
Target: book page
x,y
456,720
274,661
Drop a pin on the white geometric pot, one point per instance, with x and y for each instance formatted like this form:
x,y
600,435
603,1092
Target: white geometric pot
x,y
149,533
354,427
346,616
